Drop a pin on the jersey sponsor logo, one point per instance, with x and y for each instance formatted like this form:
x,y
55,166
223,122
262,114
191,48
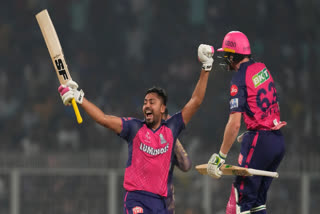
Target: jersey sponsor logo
x,y
137,210
260,77
152,151
234,90
234,103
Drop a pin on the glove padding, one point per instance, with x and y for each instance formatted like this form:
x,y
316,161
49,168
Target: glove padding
x,y
72,84
69,91
205,54
214,165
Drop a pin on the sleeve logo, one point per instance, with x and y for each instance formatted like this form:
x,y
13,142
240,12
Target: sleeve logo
x,y
260,77
234,103
234,90
137,210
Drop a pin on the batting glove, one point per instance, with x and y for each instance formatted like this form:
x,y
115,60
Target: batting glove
x,y
72,84
69,91
205,56
215,163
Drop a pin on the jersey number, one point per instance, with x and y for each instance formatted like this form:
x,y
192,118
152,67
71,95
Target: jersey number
x,y
264,103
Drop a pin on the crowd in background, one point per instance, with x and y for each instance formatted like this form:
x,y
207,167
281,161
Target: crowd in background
x,y
117,49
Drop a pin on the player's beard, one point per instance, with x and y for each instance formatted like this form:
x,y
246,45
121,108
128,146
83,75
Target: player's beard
x,y
152,122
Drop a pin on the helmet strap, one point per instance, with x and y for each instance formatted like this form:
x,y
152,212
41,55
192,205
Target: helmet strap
x,y
234,58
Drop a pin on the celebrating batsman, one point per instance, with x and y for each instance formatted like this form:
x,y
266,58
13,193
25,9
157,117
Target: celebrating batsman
x,y
151,142
252,95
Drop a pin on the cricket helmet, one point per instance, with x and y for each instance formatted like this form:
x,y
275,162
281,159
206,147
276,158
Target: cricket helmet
x,y
236,42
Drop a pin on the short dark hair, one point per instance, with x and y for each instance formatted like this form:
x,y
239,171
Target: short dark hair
x,y
160,92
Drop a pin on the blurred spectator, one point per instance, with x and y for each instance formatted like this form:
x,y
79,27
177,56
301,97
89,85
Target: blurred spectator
x,y
68,138
115,47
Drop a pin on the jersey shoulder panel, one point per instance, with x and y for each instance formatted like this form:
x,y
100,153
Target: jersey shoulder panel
x,y
130,127
175,124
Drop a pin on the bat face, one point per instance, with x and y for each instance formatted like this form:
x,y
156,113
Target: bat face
x,y
55,50
240,173
54,47
61,70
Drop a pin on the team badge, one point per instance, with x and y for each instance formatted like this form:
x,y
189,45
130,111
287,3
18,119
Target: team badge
x,y
162,140
147,138
137,210
234,90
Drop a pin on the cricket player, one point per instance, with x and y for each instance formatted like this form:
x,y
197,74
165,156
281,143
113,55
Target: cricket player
x,y
183,162
253,95
151,142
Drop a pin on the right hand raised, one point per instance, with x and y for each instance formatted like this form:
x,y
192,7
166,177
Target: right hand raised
x,y
205,55
69,91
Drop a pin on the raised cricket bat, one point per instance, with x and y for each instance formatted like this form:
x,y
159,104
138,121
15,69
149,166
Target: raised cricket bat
x,y
55,50
237,170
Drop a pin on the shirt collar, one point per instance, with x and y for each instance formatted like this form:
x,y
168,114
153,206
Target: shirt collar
x,y
246,64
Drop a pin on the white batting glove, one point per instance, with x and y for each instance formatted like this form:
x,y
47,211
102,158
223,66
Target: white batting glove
x,y
205,56
67,93
72,84
214,165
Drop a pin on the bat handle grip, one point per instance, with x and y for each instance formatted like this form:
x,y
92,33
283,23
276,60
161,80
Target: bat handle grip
x,y
76,110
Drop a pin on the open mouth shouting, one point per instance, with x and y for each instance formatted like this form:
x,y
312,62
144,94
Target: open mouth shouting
x,y
148,115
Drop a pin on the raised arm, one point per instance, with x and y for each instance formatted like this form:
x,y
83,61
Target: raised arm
x,y
70,91
205,54
111,122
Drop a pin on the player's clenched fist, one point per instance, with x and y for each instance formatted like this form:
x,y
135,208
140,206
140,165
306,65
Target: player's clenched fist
x,y
70,91
205,55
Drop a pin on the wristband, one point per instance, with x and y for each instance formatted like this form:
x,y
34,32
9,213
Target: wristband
x,y
207,67
223,156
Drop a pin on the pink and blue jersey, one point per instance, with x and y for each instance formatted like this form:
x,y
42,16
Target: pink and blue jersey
x,y
150,154
254,94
